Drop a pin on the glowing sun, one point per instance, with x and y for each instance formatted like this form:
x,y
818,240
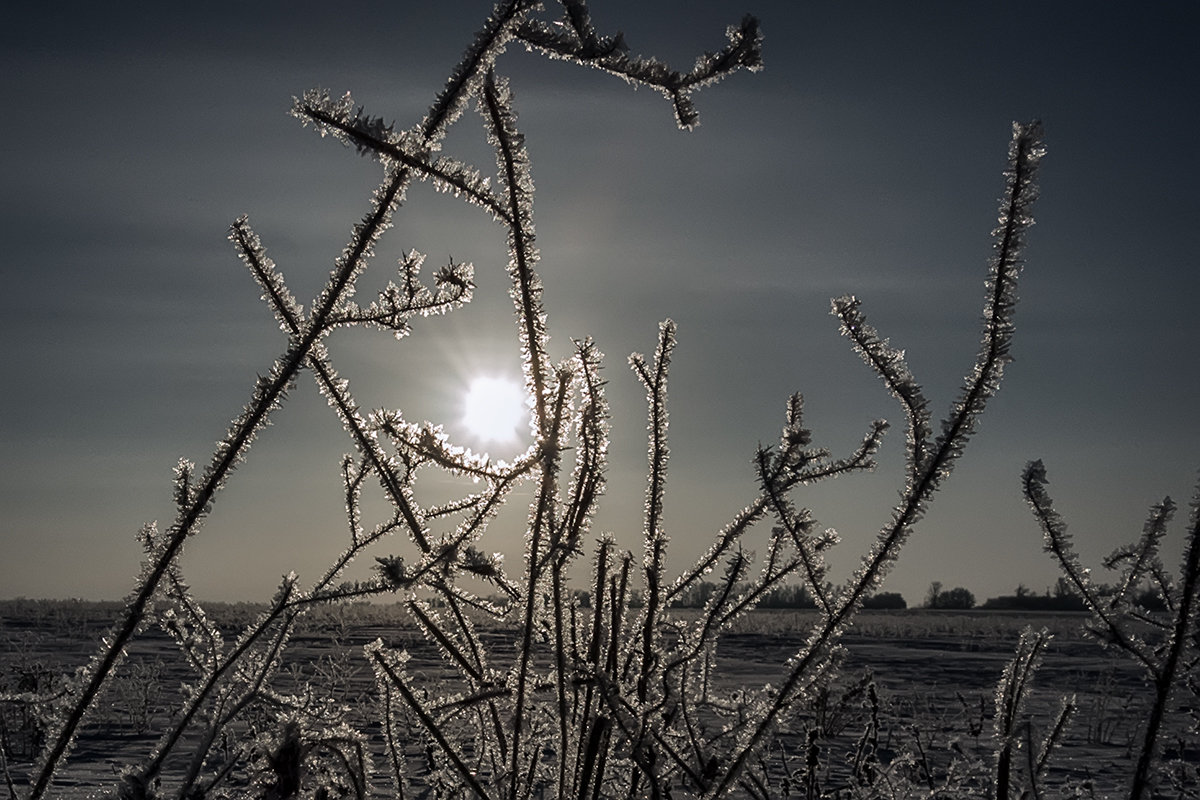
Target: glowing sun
x,y
494,409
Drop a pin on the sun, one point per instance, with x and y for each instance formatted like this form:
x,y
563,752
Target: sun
x,y
494,409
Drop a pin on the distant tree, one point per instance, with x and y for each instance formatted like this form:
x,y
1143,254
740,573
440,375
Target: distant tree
x,y
885,600
931,596
794,596
956,598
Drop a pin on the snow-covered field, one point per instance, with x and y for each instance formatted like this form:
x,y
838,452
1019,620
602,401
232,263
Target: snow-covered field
x,y
933,674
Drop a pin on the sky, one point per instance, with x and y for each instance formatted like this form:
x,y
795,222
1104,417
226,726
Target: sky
x,y
865,159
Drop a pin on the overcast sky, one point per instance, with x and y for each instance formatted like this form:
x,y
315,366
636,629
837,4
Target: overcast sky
x,y
866,158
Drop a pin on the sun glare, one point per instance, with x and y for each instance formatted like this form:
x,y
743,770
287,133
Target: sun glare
x,y
494,409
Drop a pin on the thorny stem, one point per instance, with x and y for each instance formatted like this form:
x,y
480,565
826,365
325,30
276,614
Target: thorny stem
x,y
527,297
1010,699
189,711
559,596
431,726
286,610
264,402
1056,542
345,406
948,447
538,526
656,540
593,728
219,720
733,531
1164,677
398,153
190,517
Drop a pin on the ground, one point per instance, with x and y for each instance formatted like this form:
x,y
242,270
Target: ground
x,y
934,675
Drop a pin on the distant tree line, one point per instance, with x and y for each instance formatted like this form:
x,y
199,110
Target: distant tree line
x,y
795,596
885,600
1063,598
1022,599
1060,597
787,596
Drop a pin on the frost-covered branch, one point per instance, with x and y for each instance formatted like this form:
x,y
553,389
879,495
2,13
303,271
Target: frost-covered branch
x,y
1168,664
1025,152
576,40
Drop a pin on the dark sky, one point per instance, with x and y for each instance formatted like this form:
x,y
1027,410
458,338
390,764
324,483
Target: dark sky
x,y
866,158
